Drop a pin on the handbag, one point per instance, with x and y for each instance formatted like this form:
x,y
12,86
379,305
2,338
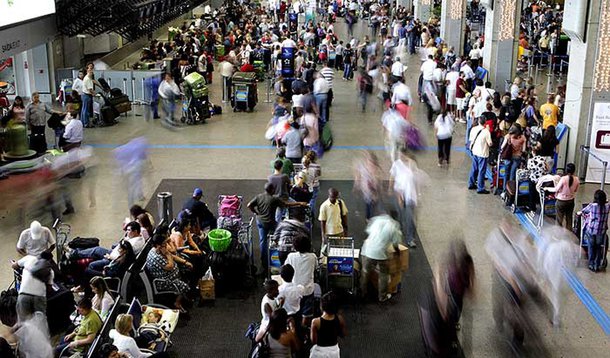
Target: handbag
x,y
507,151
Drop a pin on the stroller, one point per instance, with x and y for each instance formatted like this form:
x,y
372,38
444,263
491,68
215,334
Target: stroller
x,y
195,100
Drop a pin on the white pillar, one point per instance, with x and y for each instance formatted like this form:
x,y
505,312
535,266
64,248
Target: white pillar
x,y
501,41
423,9
581,95
453,17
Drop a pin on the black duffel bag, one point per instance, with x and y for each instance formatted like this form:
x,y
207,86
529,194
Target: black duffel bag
x,y
84,242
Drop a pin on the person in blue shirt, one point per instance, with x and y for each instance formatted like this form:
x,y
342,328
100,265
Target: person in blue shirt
x,y
151,86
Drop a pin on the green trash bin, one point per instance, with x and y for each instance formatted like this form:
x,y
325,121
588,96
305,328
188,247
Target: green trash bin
x,y
220,240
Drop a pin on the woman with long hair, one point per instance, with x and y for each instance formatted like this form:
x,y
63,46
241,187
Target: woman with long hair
x,y
517,141
564,193
102,300
595,227
280,335
443,129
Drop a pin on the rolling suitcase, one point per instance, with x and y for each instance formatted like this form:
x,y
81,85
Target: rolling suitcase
x,y
120,103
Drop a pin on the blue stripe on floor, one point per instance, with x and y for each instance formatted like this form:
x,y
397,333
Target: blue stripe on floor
x,y
577,286
228,146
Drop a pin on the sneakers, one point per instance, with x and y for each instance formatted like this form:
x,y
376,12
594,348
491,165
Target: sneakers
x,y
472,187
484,191
412,244
461,120
385,298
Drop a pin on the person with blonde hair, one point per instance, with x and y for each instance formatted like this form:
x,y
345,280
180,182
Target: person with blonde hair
x,y
122,339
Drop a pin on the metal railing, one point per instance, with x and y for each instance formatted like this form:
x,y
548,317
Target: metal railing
x,y
585,159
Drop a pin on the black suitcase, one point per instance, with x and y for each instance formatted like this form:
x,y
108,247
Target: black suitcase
x,y
120,103
108,115
60,304
38,142
104,84
116,92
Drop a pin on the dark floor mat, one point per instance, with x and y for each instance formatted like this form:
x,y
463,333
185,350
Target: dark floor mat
x,y
389,330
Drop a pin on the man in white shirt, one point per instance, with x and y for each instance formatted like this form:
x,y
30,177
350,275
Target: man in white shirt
x,y
401,93
320,92
304,263
103,256
398,69
35,240
168,92
33,289
73,134
383,232
427,69
475,55
451,82
404,180
226,69
480,141
467,69
87,97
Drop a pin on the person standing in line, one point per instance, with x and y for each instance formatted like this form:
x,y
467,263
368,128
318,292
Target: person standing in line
x,y
327,329
564,193
169,91
404,181
549,112
226,71
348,58
36,119
281,183
265,205
78,84
480,141
333,216
320,92
443,129
595,227
87,97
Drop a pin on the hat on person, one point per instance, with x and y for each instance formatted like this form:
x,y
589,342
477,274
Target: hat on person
x,y
35,230
197,192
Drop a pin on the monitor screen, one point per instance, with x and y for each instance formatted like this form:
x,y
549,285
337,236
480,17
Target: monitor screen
x,y
16,11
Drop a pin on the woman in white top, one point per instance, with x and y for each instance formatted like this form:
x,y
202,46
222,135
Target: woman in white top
x,y
443,129
121,338
102,300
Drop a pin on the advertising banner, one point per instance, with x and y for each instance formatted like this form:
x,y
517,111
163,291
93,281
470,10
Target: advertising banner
x,y
288,61
599,142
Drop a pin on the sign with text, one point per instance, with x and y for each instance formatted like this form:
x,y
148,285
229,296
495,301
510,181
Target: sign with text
x,y
599,142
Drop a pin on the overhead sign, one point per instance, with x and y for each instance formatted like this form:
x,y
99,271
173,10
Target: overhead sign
x,y
16,11
599,142
23,37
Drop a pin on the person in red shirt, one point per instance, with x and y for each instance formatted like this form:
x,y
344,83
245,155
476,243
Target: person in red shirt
x,y
247,67
460,96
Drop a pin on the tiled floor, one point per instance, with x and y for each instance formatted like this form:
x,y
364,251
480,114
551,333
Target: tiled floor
x,y
447,209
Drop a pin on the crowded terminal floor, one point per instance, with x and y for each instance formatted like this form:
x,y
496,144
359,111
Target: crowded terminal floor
x,y
229,154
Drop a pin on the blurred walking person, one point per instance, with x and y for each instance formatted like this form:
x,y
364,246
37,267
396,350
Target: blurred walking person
x,y
367,181
131,158
169,92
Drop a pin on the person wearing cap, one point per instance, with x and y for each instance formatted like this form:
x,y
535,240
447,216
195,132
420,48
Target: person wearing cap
x,y
200,210
35,240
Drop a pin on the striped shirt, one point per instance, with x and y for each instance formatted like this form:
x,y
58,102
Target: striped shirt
x,y
329,75
596,218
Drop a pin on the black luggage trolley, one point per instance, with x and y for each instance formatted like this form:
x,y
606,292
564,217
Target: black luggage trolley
x,y
244,94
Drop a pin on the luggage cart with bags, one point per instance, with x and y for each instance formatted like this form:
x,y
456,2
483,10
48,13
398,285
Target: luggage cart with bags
x,y
340,271
499,176
195,101
518,191
243,91
547,202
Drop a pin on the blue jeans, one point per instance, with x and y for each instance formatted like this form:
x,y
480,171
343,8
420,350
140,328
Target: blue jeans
x,y
347,69
477,172
322,102
84,112
96,253
263,233
594,250
511,167
406,215
312,202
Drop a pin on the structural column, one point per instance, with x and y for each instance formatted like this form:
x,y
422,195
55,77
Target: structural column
x,y
423,9
587,102
502,41
453,18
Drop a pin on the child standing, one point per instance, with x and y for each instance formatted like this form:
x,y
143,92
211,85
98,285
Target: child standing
x,y
269,302
290,294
